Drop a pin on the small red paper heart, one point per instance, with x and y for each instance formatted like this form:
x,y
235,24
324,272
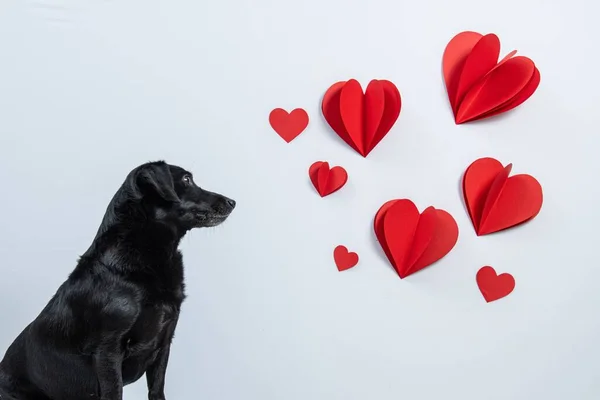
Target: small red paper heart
x,y
326,180
362,120
478,85
344,259
412,240
497,202
493,286
288,125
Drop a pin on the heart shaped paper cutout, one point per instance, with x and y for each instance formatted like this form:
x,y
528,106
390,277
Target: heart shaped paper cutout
x,y
343,258
493,286
288,125
478,86
362,120
496,202
327,180
412,240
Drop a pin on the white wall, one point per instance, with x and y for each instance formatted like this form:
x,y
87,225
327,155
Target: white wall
x,y
89,89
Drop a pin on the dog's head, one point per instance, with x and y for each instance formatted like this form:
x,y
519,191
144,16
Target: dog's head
x,y
173,197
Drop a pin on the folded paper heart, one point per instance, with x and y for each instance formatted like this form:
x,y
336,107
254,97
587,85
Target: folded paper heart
x,y
495,201
478,85
326,180
362,120
344,259
288,125
493,286
412,240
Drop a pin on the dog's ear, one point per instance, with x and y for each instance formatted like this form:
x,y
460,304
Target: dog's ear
x,y
157,179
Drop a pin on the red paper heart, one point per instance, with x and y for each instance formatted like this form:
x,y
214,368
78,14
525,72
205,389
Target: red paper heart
x,y
326,180
413,241
492,286
495,201
344,259
478,86
288,125
362,120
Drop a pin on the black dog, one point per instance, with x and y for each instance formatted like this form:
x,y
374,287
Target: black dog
x,y
114,318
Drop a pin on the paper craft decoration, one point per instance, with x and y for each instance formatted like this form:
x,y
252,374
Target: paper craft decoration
x,y
326,180
344,259
495,201
288,125
492,286
412,240
362,120
478,85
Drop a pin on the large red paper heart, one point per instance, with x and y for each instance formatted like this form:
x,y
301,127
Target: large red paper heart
x,y
326,180
412,240
495,201
492,286
288,125
362,120
344,259
478,85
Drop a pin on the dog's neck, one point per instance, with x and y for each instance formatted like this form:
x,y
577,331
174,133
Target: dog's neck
x,y
126,224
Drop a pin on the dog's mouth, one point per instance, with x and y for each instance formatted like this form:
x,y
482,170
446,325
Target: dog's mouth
x,y
210,220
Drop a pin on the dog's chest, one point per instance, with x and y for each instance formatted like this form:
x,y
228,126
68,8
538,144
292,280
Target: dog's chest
x,y
162,294
151,329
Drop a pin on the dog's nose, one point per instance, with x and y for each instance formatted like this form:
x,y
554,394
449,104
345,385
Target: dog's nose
x,y
231,203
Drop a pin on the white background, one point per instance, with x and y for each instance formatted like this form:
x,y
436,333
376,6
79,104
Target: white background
x,y
90,89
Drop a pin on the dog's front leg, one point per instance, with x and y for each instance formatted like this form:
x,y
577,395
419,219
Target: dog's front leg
x,y
108,363
155,375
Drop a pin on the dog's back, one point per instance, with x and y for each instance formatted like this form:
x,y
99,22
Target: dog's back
x,y
14,384
51,359
29,367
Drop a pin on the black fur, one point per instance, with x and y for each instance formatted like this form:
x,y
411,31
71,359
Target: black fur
x,y
113,319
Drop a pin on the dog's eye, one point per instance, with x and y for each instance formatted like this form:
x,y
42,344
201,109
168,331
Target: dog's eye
x,y
187,180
